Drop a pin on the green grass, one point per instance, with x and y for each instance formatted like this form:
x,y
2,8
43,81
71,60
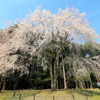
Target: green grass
x,y
48,94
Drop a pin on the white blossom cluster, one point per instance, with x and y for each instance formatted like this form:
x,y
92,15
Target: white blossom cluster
x,y
39,28
80,66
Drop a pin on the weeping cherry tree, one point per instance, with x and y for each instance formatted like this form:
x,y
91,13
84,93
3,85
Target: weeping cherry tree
x,y
41,30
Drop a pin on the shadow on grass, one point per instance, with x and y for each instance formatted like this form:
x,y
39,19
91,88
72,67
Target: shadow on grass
x,y
24,94
83,92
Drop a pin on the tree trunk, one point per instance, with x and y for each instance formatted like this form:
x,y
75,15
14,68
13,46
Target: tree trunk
x,y
76,85
84,85
57,84
9,85
56,66
1,83
4,83
52,82
65,85
52,77
91,86
35,87
55,77
81,85
60,80
16,81
87,84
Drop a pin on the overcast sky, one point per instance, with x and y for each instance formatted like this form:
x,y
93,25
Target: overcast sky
x,y
12,9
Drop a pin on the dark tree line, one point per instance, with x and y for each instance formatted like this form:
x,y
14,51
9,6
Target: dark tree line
x,y
39,78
